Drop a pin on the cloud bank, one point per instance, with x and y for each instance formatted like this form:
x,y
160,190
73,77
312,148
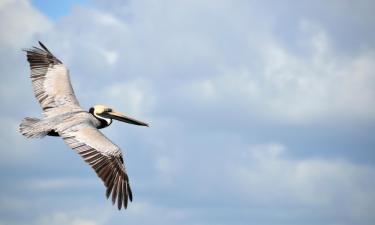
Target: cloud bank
x,y
261,113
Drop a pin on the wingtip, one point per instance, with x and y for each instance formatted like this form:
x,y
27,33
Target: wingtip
x,y
130,193
43,46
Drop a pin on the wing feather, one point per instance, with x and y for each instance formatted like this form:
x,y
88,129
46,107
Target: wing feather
x,y
105,158
120,194
50,80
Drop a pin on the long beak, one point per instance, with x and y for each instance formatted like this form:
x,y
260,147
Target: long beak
x,y
118,116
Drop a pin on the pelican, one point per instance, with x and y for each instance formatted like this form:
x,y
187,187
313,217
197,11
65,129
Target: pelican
x,y
64,117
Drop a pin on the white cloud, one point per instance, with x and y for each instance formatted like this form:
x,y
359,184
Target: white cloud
x,y
60,183
15,148
142,209
318,85
321,84
179,59
267,175
111,57
20,22
63,218
133,96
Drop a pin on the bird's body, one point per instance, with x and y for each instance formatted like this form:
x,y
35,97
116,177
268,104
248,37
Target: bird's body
x,y
64,117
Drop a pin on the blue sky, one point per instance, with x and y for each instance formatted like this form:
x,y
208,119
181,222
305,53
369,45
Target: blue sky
x,y
56,10
261,112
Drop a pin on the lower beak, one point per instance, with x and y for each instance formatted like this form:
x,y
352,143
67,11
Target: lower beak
x,y
118,116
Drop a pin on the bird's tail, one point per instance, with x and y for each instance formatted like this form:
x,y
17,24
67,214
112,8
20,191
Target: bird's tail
x,y
30,128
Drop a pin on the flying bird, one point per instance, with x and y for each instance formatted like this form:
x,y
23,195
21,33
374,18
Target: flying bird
x,y
64,117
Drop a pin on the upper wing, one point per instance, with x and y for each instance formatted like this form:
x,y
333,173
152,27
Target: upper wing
x,y
50,80
104,157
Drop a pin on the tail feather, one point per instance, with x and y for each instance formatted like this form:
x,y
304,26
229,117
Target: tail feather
x,y
30,128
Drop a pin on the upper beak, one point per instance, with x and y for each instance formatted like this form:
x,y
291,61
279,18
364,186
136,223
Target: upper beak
x,y
118,116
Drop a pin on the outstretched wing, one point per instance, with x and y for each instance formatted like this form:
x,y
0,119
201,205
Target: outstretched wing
x,y
104,157
50,80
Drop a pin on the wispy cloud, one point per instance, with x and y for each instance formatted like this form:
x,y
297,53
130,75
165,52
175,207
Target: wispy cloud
x,y
16,32
59,183
64,218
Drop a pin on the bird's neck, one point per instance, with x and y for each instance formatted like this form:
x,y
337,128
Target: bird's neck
x,y
103,122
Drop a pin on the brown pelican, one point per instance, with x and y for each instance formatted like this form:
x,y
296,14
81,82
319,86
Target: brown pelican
x,y
63,116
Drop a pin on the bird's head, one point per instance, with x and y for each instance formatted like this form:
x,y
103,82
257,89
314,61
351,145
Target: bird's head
x,y
105,114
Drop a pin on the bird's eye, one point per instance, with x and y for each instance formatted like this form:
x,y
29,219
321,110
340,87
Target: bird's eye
x,y
108,110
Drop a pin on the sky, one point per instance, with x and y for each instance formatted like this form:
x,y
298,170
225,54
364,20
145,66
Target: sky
x,y
261,112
